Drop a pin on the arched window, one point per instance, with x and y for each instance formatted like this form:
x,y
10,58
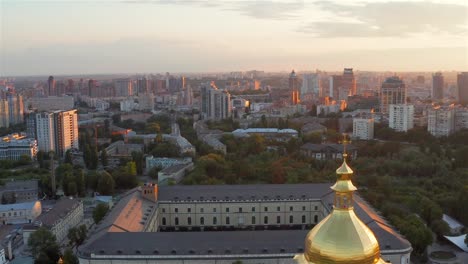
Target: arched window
x,y
303,219
176,220
202,220
291,219
189,221
315,218
265,220
215,220
253,220
227,221
164,221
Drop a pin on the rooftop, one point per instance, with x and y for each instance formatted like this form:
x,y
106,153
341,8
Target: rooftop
x,y
59,211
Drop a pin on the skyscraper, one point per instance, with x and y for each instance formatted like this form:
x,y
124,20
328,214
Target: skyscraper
x,y
92,88
462,82
51,86
15,108
342,86
294,88
437,86
393,91
123,87
57,131
310,84
216,104
4,114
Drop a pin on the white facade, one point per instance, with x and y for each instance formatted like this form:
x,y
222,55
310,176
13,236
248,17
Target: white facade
x,y
146,102
441,121
12,147
20,213
310,84
363,128
128,105
461,118
401,117
45,132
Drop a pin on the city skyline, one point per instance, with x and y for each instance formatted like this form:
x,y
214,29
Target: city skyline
x,y
111,36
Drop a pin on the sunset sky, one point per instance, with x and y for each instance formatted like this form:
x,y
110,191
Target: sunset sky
x,y
149,36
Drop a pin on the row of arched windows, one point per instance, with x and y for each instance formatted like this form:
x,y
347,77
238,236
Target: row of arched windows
x,y
228,220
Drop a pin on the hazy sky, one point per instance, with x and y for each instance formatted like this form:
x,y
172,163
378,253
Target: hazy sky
x,y
39,37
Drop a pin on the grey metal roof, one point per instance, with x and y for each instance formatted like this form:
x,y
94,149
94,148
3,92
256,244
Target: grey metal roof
x,y
243,192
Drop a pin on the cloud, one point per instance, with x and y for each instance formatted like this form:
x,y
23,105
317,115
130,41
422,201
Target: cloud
x,y
390,19
267,9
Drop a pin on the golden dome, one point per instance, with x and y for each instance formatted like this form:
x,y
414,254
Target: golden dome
x,y
341,237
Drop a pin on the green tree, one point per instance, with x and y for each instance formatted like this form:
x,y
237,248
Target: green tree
x,y
99,212
43,246
77,235
69,257
68,157
104,158
138,158
106,184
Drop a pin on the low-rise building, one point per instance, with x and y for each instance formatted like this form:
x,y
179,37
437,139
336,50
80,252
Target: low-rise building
x,y
20,213
14,146
214,142
456,228
174,174
65,214
19,191
163,162
268,133
327,151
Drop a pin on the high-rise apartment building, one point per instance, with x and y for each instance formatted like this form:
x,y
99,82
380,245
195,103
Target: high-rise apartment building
x,y
92,88
123,87
4,114
45,131
294,88
51,86
437,86
462,83
401,117
57,131
15,108
363,128
441,120
342,86
393,91
310,84
143,86
216,104
461,118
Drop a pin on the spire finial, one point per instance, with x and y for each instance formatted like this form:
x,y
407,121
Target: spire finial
x,y
345,142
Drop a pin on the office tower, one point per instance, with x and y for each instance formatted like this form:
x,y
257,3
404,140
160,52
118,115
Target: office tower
x,y
363,128
92,88
51,86
123,87
441,120
393,91
216,104
57,131
310,84
437,86
15,108
401,117
294,88
4,114
462,83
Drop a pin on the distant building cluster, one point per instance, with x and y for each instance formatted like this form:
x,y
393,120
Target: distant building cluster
x,y
11,109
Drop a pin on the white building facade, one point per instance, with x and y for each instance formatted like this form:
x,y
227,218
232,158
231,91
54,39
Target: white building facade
x,y
441,120
363,128
13,147
401,117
